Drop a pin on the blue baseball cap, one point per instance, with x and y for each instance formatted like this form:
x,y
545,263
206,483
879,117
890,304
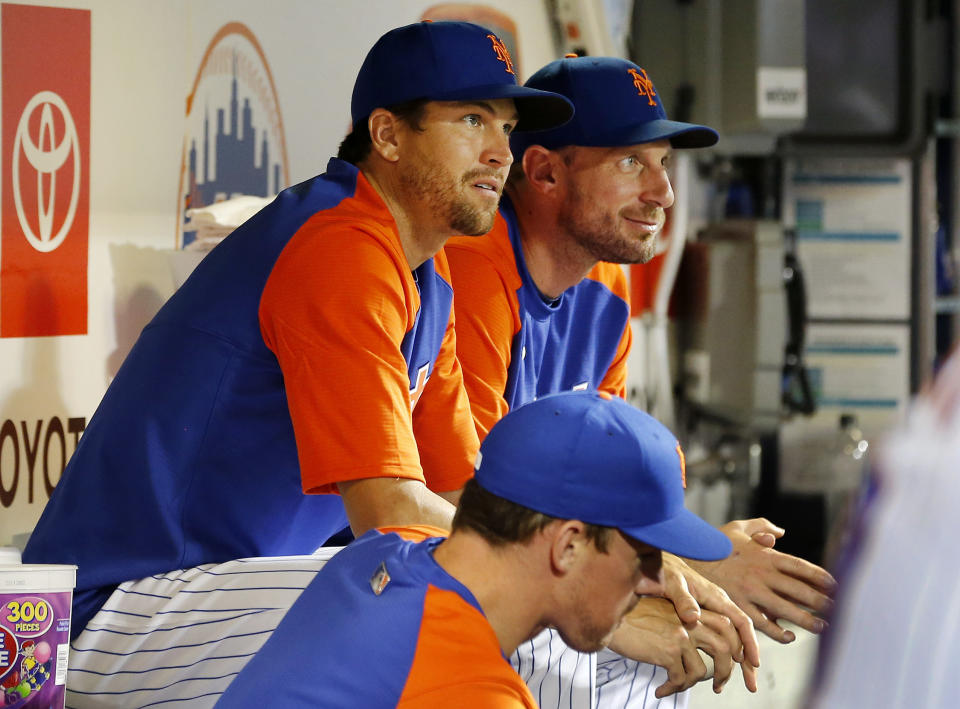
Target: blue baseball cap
x,y
616,104
449,61
595,458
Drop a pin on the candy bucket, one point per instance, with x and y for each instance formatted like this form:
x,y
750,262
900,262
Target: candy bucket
x,y
34,634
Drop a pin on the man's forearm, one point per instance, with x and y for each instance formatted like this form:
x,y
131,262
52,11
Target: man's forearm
x,y
393,502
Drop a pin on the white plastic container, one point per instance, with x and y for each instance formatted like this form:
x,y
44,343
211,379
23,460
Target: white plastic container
x,y
35,603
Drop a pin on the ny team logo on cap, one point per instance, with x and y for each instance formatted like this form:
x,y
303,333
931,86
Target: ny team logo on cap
x,y
644,84
683,465
581,455
503,54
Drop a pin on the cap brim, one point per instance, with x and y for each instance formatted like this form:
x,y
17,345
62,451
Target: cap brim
x,y
685,535
680,135
536,110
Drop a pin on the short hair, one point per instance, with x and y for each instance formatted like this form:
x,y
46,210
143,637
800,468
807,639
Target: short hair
x,y
355,148
500,522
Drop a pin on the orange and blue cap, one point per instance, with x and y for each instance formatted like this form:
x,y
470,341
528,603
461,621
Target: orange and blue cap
x,y
449,61
595,458
616,105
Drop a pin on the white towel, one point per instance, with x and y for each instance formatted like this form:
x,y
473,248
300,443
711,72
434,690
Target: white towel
x,y
215,221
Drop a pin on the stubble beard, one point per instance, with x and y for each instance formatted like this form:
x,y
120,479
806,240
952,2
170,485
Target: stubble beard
x,y
436,190
468,220
599,235
591,636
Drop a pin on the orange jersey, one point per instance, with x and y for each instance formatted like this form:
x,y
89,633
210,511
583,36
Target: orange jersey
x,y
513,345
356,338
302,351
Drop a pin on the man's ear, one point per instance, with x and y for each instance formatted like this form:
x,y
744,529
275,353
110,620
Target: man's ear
x,y
384,134
541,168
568,544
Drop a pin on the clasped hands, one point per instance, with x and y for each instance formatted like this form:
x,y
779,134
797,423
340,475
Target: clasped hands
x,y
716,606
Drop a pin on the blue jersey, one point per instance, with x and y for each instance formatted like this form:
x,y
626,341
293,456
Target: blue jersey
x,y
301,352
382,625
513,344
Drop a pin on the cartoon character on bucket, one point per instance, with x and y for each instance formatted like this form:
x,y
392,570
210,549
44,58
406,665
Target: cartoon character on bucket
x,y
34,672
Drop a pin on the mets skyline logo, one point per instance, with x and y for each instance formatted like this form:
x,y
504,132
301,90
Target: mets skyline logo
x,y
503,54
643,85
234,143
46,168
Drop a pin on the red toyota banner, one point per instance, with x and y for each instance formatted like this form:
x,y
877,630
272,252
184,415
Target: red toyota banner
x,y
45,209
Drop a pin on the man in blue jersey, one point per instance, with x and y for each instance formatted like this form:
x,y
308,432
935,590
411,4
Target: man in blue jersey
x,y
542,306
312,351
575,496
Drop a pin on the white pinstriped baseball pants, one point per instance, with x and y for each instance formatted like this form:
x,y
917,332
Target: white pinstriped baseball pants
x,y
178,640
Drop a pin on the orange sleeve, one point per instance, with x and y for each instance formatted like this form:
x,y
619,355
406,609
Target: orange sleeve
x,y
486,307
458,661
334,311
615,380
415,532
488,695
446,437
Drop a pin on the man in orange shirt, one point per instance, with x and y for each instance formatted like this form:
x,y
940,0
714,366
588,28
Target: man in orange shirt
x,y
304,377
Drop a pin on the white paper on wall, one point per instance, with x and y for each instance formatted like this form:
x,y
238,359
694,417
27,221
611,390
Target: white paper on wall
x,y
853,220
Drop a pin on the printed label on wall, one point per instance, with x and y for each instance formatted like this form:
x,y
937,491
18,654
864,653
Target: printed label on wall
x,y
852,219
781,92
46,165
234,143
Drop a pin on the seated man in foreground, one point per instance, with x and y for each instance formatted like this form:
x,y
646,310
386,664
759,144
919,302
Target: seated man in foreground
x,y
574,497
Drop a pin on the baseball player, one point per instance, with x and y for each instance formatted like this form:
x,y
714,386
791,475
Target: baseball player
x,y
542,306
895,633
312,352
575,495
